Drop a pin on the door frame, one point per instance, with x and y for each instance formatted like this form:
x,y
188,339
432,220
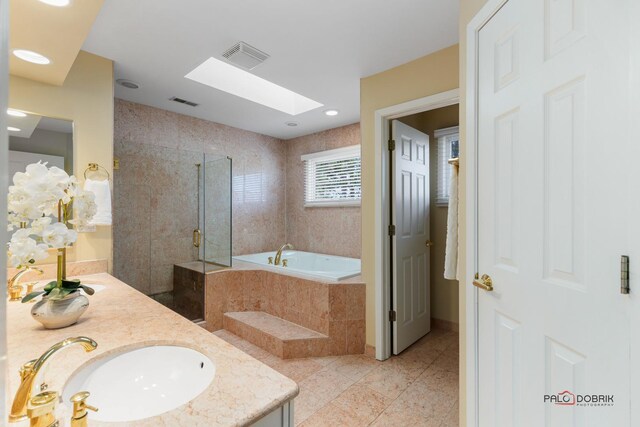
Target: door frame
x,y
382,247
472,384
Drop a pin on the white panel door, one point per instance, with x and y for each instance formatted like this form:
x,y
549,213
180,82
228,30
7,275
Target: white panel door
x,y
410,256
552,100
629,161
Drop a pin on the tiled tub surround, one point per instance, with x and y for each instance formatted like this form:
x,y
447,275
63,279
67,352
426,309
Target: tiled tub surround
x,y
243,389
336,310
325,230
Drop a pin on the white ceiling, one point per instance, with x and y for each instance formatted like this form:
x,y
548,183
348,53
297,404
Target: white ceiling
x,y
318,48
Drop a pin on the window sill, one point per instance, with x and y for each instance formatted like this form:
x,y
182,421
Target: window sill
x,y
350,204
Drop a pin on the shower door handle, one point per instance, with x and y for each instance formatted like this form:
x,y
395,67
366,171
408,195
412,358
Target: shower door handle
x,y
197,238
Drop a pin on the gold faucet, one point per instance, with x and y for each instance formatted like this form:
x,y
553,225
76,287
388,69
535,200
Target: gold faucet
x,y
41,410
15,290
279,253
29,372
80,407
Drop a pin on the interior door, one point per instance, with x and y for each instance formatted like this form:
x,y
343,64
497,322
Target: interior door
x,y
552,128
410,250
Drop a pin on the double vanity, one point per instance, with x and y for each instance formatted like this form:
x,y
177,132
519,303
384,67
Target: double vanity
x,y
141,364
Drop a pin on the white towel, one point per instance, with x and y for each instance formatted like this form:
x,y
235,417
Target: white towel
x,y
102,190
451,251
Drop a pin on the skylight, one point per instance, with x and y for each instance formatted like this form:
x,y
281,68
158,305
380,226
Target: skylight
x,y
226,77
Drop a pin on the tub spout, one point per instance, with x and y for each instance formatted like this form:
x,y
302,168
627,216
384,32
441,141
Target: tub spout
x,y
279,253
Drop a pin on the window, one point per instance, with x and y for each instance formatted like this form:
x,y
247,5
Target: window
x,y
332,178
448,143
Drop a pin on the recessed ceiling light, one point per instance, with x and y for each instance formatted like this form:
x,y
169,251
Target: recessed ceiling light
x,y
12,129
128,84
233,80
30,56
15,113
59,3
292,124
331,112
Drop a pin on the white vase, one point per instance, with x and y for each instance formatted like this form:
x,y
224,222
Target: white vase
x,y
55,314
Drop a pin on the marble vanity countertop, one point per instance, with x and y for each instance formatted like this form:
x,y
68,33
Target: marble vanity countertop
x,y
243,389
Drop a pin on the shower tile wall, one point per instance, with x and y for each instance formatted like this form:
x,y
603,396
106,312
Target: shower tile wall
x,y
155,191
328,230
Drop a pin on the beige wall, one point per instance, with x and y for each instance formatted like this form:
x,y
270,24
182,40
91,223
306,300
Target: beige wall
x,y
86,97
431,74
444,293
325,230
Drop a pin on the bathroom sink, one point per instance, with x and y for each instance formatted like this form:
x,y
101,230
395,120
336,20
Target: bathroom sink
x,y
141,383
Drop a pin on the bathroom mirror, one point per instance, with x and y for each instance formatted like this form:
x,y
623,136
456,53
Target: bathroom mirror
x,y
34,138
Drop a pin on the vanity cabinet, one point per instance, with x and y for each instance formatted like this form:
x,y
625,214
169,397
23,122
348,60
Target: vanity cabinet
x,y
280,417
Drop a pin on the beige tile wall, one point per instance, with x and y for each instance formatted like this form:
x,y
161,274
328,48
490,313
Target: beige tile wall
x,y
334,231
155,202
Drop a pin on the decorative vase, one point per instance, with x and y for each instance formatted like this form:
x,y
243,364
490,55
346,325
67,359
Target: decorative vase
x,y
56,314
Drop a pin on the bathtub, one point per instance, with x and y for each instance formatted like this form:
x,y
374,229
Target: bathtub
x,y
309,263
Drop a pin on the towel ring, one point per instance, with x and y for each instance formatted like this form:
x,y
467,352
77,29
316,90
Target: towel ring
x,y
94,167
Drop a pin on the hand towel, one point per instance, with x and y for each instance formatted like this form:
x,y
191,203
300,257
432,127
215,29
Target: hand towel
x,y
451,251
102,190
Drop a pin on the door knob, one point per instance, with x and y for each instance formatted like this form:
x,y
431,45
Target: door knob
x,y
483,282
428,243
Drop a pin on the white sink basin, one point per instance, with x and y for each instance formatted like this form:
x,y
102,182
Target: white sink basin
x,y
142,383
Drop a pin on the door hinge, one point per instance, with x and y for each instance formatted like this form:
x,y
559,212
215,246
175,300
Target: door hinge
x,y
392,316
116,164
624,274
392,230
392,144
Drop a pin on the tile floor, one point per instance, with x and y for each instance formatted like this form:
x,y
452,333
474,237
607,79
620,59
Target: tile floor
x,y
418,388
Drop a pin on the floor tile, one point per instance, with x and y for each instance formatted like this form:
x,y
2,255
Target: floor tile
x,y
362,403
388,380
418,388
297,369
355,366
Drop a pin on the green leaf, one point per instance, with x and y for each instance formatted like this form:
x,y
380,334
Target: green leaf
x,y
54,293
31,296
62,292
71,284
87,289
50,286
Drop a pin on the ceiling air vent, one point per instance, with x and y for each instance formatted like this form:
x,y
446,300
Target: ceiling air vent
x,y
245,56
183,101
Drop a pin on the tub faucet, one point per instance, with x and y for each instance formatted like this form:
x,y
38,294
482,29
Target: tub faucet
x,y
30,370
279,253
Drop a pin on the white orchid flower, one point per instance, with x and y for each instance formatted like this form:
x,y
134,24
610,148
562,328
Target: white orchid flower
x,y
24,250
58,235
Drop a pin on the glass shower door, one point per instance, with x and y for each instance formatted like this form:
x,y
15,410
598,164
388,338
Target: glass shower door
x,y
216,212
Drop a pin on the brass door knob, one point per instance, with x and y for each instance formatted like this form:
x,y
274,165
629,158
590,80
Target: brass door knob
x,y
428,243
483,282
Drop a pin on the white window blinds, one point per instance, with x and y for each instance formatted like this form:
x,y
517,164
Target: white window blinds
x,y
447,148
332,177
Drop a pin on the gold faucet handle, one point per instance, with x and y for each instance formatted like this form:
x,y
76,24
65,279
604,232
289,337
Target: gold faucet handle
x,y
41,408
80,406
270,260
27,369
284,262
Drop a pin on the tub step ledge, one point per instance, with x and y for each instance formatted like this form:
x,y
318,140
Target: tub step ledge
x,y
279,337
